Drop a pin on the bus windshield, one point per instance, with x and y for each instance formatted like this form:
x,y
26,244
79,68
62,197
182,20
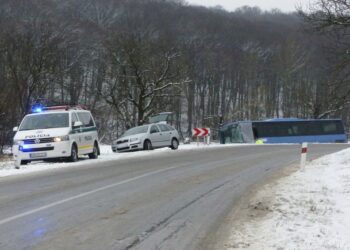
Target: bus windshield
x,y
45,121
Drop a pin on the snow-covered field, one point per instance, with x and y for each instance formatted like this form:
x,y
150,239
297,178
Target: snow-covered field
x,y
306,210
8,168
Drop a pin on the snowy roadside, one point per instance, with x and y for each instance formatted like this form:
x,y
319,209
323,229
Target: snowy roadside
x,y
7,168
306,210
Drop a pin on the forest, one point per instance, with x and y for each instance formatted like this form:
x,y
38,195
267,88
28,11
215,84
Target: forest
x,y
126,60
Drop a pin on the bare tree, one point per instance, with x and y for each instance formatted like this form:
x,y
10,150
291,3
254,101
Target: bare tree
x,y
332,19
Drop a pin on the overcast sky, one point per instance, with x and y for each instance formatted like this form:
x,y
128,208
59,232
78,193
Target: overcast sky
x,y
283,5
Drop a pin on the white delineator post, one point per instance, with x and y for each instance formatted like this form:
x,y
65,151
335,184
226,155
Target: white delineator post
x,y
17,160
208,137
303,156
17,163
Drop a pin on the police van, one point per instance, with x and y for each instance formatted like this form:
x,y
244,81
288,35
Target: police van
x,y
55,132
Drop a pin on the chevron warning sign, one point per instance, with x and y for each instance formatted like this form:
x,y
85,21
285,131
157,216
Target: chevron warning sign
x,y
200,132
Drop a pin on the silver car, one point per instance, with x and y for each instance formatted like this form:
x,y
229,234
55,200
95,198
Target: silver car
x,y
147,137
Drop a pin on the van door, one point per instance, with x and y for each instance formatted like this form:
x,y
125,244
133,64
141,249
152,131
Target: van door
x,y
89,132
76,131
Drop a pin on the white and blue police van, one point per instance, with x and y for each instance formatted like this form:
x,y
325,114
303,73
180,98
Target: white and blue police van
x,y
55,132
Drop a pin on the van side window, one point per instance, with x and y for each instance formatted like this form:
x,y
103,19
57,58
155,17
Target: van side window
x,y
86,119
74,118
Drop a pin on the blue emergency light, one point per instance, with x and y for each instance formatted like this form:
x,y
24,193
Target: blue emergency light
x,y
37,108
39,105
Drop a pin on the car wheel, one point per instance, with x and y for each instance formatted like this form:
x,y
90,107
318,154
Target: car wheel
x,y
74,154
94,153
174,144
24,162
147,145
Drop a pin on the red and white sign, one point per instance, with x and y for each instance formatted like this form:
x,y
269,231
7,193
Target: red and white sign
x,y
200,132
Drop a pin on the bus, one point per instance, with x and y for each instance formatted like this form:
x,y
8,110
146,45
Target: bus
x,y
285,130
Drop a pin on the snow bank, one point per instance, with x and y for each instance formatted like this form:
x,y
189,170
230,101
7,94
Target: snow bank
x,y
307,210
7,168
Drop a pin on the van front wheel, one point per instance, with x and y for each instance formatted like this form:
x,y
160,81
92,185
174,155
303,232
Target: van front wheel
x,y
94,153
74,154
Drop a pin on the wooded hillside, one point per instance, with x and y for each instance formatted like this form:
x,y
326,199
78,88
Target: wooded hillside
x,y
128,59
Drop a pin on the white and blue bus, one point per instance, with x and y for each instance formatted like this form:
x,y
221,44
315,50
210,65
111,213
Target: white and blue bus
x,y
284,131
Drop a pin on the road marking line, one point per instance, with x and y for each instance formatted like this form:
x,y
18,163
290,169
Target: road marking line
x,y
84,194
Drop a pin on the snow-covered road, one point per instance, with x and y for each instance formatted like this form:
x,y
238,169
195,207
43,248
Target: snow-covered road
x,y
306,210
7,168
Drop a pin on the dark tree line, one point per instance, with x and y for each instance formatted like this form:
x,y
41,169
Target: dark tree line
x,y
331,19
128,59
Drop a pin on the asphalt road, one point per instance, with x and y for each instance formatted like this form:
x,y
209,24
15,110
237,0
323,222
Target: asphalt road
x,y
172,200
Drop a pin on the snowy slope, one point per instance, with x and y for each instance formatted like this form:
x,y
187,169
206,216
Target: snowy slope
x,y
307,210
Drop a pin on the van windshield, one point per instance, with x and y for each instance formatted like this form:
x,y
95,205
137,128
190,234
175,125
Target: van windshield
x,y
45,121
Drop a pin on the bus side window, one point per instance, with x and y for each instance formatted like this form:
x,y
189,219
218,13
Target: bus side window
x,y
295,130
329,128
227,135
236,135
255,133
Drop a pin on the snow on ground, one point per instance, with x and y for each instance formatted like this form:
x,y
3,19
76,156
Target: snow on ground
x,y
6,150
306,210
7,168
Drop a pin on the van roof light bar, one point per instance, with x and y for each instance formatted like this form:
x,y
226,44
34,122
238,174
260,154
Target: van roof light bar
x,y
39,109
67,107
